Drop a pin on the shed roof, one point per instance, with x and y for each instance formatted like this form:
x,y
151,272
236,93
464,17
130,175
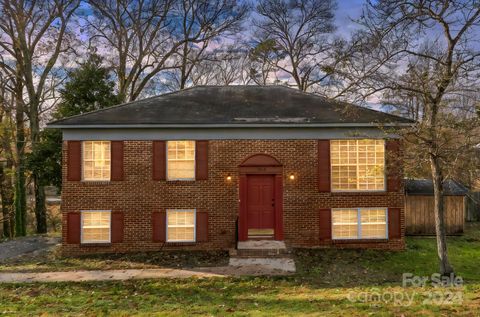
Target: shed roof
x,y
424,187
232,106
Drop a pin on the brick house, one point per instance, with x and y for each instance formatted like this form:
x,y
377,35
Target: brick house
x,y
209,166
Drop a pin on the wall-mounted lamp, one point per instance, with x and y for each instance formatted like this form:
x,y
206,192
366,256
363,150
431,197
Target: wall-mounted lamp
x,y
229,178
291,177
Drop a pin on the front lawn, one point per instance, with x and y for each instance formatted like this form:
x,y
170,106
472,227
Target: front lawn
x,y
224,296
150,260
351,267
328,282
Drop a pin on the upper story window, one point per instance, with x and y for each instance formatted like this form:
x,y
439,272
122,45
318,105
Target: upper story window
x,y
96,160
181,160
357,165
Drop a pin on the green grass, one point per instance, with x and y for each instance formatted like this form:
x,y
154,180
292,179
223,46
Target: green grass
x,y
321,287
217,296
371,267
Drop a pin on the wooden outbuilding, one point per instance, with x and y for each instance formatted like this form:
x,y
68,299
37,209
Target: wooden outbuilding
x,y
419,203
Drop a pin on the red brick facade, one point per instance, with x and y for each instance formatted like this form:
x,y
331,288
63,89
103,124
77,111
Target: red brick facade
x,y
138,196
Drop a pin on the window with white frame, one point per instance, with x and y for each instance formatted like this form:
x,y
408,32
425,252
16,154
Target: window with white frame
x,y
345,224
96,226
96,160
373,223
181,160
180,225
359,223
357,165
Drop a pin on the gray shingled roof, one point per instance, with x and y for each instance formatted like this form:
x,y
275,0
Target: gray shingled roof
x,y
425,187
232,106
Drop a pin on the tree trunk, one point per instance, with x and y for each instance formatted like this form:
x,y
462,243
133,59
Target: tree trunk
x,y
439,211
122,77
12,211
6,193
40,207
5,214
183,67
39,189
20,200
20,195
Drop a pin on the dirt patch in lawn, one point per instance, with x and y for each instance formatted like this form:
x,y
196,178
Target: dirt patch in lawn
x,y
171,259
27,248
38,254
51,260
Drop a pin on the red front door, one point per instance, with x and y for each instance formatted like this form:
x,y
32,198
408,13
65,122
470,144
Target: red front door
x,y
260,205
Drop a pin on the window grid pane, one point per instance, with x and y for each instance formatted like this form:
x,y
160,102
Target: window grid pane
x,y
357,165
96,226
345,224
96,160
181,160
180,225
372,225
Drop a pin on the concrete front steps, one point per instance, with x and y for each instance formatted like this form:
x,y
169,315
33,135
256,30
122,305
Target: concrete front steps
x,y
269,254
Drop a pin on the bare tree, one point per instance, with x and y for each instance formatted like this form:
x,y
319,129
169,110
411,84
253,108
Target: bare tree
x,y
459,130
218,67
35,34
301,32
261,67
223,67
429,53
149,37
137,37
203,22
233,66
7,136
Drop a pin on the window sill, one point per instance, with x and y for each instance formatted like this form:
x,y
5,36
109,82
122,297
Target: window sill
x,y
103,244
181,181
174,244
382,192
357,241
94,183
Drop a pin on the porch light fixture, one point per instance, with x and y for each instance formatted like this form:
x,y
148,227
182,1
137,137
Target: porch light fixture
x,y
229,178
291,177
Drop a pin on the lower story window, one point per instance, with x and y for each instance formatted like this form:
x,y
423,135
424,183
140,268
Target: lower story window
x,y
373,223
181,225
359,223
96,226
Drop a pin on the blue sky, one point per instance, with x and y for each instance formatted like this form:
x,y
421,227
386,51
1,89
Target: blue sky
x,y
346,10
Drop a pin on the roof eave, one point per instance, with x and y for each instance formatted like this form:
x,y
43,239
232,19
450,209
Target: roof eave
x,y
223,126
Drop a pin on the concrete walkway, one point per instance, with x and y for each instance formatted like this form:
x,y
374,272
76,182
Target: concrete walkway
x,y
82,276
119,275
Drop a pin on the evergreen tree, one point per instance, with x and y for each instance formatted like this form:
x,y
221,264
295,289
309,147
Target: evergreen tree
x,y
89,87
